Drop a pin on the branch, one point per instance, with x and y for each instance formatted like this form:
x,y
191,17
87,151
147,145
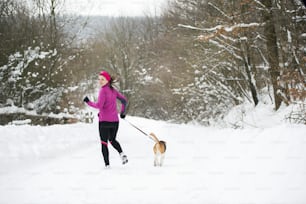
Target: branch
x,y
224,14
219,30
261,4
222,27
197,28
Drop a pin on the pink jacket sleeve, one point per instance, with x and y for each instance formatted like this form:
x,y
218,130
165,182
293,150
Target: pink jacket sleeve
x,y
100,101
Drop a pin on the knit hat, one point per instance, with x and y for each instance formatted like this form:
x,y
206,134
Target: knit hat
x,y
106,75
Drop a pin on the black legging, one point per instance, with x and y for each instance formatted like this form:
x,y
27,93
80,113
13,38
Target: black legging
x,y
108,132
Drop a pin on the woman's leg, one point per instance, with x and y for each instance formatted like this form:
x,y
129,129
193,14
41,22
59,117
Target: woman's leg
x,y
115,143
112,138
104,135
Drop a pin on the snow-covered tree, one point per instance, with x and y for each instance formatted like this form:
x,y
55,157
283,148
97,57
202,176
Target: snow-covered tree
x,y
36,59
250,31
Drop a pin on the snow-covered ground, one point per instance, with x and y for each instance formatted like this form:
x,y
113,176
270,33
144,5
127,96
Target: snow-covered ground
x,y
264,163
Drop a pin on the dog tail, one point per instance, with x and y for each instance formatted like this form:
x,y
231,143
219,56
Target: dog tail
x,y
154,137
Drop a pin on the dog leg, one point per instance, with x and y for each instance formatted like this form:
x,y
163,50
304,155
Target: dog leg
x,y
155,160
159,159
162,157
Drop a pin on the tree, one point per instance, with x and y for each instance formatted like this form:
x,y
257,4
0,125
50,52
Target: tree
x,y
290,44
37,61
125,50
237,37
222,62
273,56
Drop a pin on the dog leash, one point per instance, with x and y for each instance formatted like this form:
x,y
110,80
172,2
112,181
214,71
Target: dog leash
x,y
138,129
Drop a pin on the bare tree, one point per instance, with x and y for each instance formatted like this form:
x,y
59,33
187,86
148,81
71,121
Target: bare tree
x,y
272,48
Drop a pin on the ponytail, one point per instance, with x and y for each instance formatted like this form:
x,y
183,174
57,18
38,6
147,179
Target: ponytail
x,y
112,81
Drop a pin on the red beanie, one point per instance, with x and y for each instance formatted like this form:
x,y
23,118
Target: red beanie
x,y
106,75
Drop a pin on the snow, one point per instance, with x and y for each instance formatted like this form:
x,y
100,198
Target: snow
x,y
14,109
245,115
264,162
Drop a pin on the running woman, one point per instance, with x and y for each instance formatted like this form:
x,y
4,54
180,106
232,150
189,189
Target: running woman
x,y
108,115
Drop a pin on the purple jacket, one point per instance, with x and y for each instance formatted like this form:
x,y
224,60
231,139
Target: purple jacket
x,y
107,104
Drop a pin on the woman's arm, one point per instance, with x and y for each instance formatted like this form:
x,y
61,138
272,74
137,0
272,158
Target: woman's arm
x,y
123,101
99,103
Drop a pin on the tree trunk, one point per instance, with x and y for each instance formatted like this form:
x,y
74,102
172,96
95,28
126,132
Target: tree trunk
x,y
246,55
247,64
53,25
272,49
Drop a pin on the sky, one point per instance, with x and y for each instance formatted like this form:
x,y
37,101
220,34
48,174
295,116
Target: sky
x,y
115,7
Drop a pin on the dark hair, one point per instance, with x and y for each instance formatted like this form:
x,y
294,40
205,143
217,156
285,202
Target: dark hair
x,y
112,81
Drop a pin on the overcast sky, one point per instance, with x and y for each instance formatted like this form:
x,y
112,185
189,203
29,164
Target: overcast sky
x,y
115,7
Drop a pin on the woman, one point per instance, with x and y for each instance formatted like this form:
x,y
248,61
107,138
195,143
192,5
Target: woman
x,y
108,115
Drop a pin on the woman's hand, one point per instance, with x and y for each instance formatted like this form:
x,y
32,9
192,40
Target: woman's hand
x,y
122,115
86,99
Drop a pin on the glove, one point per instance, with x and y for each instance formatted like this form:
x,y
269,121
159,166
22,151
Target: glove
x,y
122,115
86,99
